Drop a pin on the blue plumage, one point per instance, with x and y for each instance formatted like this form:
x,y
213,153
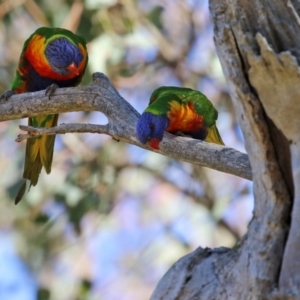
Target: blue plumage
x,y
158,124
59,62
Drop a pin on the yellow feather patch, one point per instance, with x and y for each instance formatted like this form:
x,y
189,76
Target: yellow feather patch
x,y
183,117
213,136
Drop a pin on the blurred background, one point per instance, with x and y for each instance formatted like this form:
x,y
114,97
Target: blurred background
x,y
111,218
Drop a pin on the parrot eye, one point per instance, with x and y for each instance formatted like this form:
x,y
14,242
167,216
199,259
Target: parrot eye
x,y
152,127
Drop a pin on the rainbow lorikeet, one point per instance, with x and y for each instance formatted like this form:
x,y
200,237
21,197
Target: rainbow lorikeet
x,y
180,111
50,58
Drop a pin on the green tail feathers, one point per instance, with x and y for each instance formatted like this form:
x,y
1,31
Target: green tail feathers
x,y
213,136
39,153
33,163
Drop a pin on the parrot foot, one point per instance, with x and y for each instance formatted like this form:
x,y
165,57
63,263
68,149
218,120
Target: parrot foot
x,y
180,133
50,90
7,94
30,133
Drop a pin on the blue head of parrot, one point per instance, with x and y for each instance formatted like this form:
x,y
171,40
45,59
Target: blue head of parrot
x,y
150,129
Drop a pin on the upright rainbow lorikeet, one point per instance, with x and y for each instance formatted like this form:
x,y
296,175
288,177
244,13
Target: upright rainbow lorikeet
x,y
51,58
180,111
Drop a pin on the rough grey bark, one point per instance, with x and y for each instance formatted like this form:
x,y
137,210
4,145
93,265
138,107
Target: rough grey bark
x,y
258,46
122,117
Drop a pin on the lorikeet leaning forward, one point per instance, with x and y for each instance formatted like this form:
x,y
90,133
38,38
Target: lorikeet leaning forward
x,y
178,110
51,58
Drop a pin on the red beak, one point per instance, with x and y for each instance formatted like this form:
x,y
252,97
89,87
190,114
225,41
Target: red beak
x,y
154,143
73,69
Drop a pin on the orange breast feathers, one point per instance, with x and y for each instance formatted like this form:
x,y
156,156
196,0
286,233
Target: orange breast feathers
x,y
36,56
183,117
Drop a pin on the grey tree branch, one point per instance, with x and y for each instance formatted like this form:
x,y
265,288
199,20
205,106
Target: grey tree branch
x,y
122,117
282,105
61,129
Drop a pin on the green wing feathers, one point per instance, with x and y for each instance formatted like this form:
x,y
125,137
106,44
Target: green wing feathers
x,y
39,151
198,118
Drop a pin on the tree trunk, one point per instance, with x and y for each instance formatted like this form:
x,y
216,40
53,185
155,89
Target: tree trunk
x,y
258,43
